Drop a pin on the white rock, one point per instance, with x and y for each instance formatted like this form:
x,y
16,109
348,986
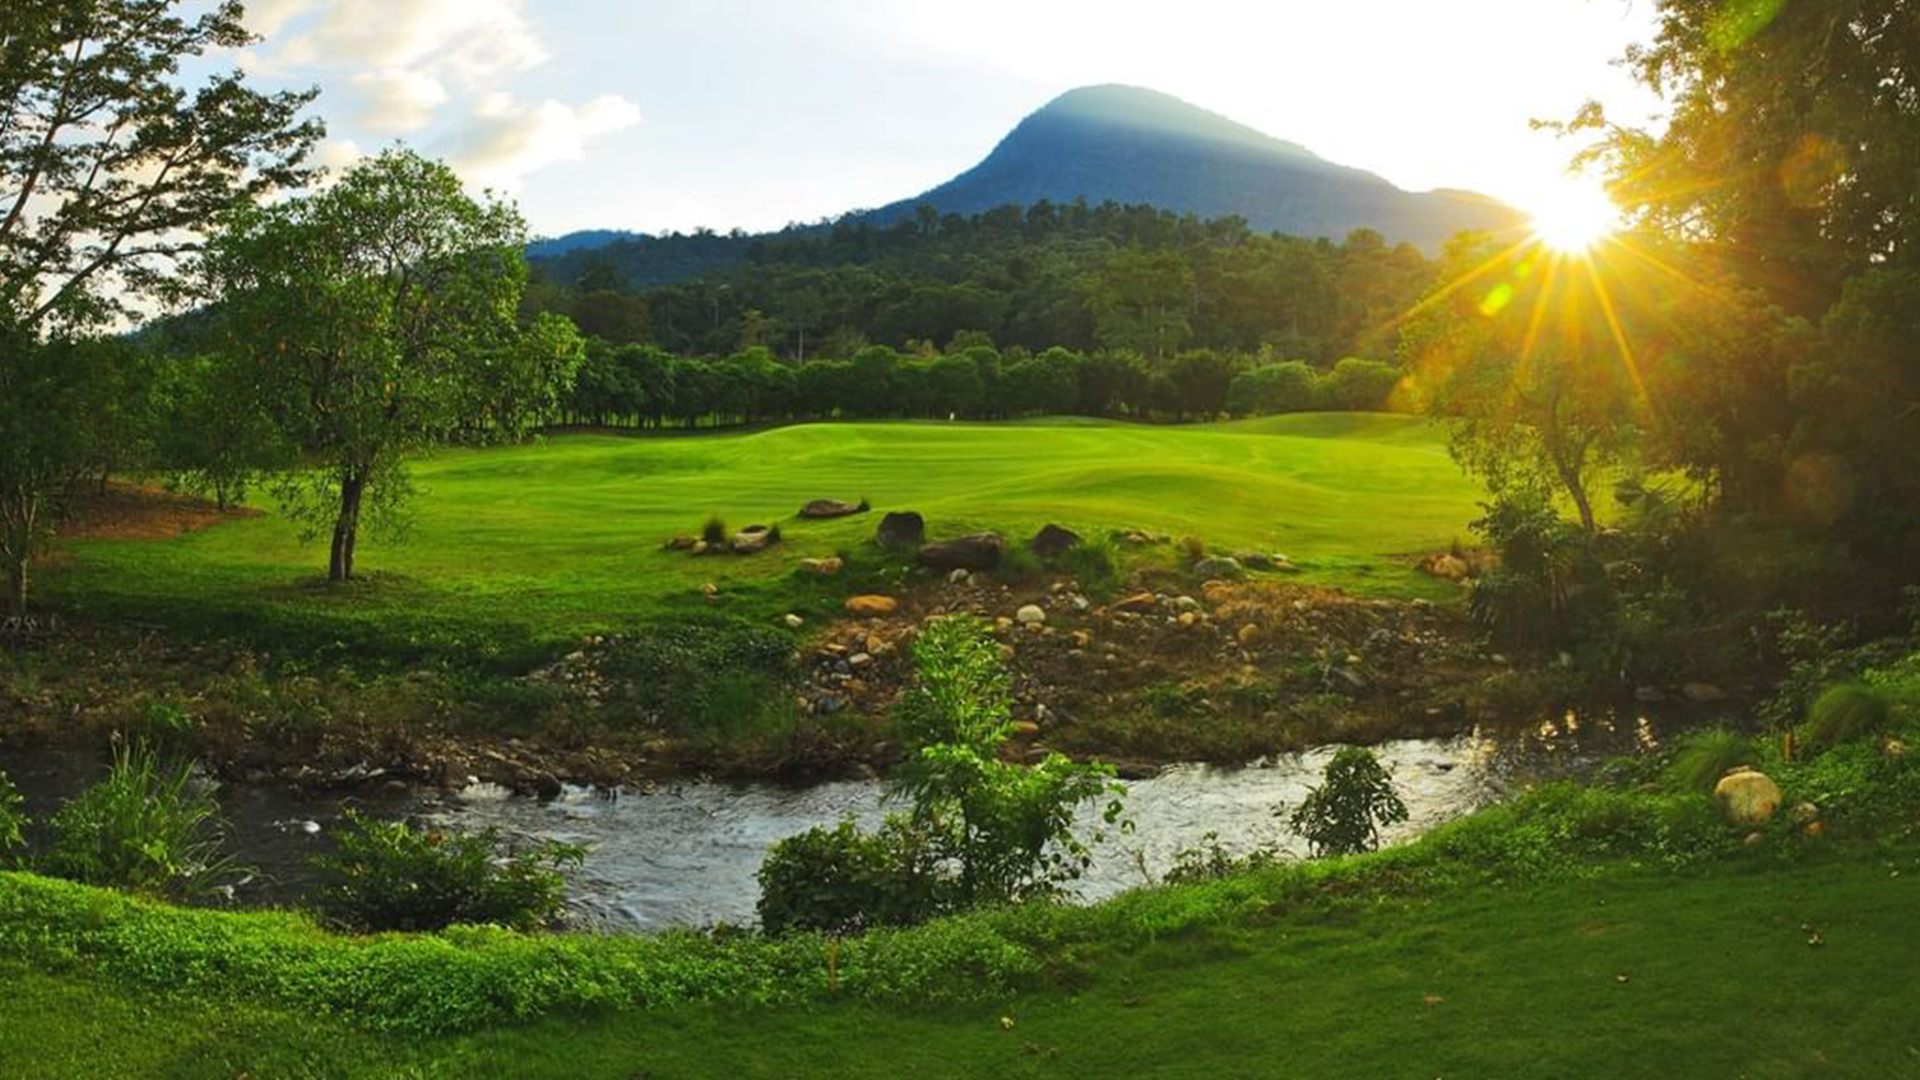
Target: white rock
x,y
793,621
1030,615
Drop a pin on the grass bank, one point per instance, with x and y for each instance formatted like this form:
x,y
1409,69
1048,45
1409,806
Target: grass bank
x,y
1631,972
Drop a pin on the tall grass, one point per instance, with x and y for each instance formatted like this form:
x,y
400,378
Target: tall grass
x,y
1844,713
147,827
1703,757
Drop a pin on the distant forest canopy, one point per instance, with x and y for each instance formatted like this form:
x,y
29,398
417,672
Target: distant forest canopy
x,y
1084,278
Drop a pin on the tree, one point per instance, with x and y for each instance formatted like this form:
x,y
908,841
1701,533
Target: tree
x,y
109,170
366,320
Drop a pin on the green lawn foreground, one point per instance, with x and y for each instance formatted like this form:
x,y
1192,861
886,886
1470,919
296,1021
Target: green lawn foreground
x,y
563,538
1738,972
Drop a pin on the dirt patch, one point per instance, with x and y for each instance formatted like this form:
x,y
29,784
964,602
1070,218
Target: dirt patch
x,y
143,512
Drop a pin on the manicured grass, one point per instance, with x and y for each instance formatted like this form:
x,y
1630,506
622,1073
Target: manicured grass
x,y
1628,973
553,541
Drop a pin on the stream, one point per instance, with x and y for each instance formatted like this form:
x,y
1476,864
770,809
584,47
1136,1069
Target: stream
x,y
684,853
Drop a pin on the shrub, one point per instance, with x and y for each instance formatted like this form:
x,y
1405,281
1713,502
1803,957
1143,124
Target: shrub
x,y
388,875
1017,564
1343,815
1093,564
1703,757
1844,713
13,819
147,827
1192,549
843,880
714,531
1209,861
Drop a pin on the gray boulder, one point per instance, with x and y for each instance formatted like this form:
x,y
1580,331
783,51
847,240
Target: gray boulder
x,y
901,529
981,551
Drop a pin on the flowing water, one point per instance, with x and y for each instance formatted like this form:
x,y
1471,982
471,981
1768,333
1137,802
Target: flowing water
x,y
684,853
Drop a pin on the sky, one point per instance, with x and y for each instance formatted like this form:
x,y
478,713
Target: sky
x,y
656,115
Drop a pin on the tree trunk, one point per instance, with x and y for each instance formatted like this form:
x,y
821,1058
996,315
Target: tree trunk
x,y
346,529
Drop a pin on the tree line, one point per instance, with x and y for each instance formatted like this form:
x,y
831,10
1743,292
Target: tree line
x,y
646,386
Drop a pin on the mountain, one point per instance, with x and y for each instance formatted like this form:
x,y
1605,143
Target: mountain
x,y
1132,145
548,247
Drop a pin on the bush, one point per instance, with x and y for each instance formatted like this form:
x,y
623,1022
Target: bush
x,y
1703,757
13,819
843,880
1343,815
1093,564
1017,564
1192,549
702,678
147,827
388,875
714,531
1844,713
1209,861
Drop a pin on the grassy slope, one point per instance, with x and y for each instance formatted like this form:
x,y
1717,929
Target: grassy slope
x,y
563,538
1522,982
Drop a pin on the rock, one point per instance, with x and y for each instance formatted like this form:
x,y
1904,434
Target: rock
x,y
1802,813
871,607
1081,639
1703,693
1814,829
1219,566
1649,694
901,529
1025,729
682,543
1053,540
1254,560
710,590
751,539
1754,839
1185,603
1896,748
700,547
1030,615
859,660
1353,679
959,576
1284,565
827,567
794,622
1188,618
1137,603
1747,797
1248,635
830,508
1449,567
980,551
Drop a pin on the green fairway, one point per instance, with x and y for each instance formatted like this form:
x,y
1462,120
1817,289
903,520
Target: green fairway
x,y
1738,972
562,538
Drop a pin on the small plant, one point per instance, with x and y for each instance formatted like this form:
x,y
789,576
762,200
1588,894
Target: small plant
x,y
773,535
714,531
1209,861
1705,756
1017,564
147,827
864,505
1094,565
1844,713
1343,815
13,819
388,875
1192,549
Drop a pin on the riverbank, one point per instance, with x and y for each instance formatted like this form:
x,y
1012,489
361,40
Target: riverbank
x,y
1750,963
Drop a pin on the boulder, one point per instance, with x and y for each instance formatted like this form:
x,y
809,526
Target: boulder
x,y
827,567
1053,540
1747,797
751,539
901,529
871,607
980,551
1220,567
1138,603
682,543
1254,560
1446,566
830,508
1030,614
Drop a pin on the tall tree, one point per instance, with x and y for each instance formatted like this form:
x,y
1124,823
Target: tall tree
x,y
372,319
110,167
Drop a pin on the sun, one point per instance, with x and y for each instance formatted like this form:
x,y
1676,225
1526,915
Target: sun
x,y
1573,216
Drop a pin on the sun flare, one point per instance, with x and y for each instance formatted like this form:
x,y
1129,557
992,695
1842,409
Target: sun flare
x,y
1574,216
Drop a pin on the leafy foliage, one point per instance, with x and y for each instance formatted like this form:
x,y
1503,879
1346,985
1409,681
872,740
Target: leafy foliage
x,y
13,818
148,827
1344,813
843,880
388,875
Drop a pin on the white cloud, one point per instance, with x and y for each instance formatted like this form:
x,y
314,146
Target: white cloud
x,y
397,101
398,63
504,140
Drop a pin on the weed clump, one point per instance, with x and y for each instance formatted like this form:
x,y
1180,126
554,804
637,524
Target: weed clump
x,y
1705,756
714,531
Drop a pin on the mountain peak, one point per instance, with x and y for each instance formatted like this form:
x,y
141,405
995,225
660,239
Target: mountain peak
x,y
1133,145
